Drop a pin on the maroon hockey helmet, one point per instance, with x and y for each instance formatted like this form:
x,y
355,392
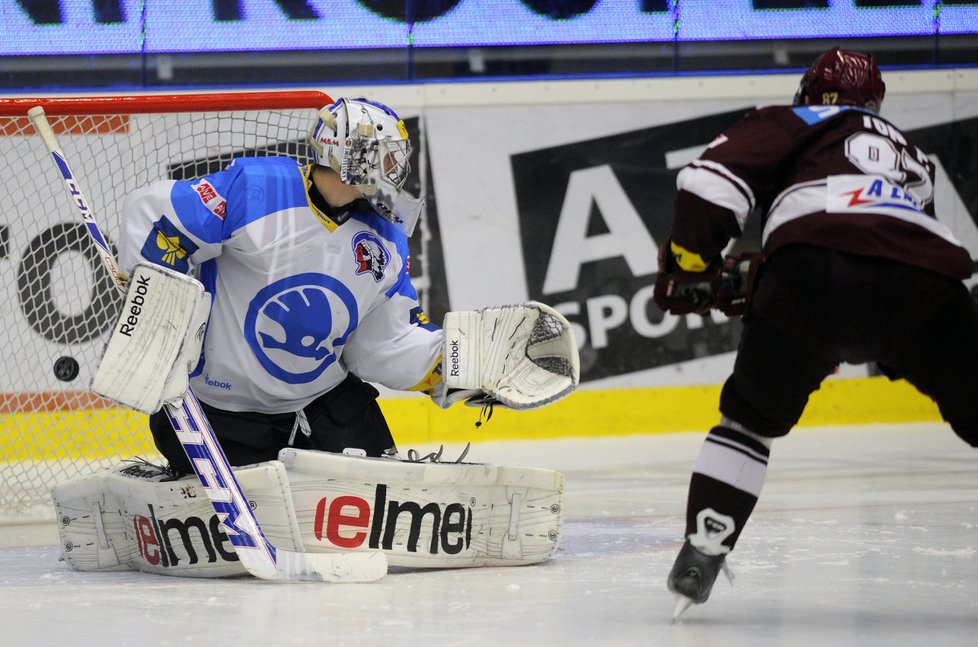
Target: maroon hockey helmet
x,y
842,77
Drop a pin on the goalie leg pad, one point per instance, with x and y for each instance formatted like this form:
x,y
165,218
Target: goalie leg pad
x,y
420,515
426,515
133,517
156,342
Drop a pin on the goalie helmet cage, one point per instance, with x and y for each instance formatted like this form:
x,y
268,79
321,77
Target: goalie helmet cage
x,y
60,299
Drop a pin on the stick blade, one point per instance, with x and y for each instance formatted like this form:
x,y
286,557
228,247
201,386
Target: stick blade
x,y
320,567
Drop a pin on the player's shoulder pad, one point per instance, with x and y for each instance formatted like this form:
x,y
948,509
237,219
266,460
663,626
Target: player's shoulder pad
x,y
264,169
278,180
385,229
275,161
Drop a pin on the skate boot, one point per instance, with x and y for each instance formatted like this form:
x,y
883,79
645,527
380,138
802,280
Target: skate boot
x,y
692,577
697,566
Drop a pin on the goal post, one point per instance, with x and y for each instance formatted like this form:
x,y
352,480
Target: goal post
x,y
59,299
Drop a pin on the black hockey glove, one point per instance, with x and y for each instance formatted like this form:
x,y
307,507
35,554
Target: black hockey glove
x,y
680,292
736,282
726,285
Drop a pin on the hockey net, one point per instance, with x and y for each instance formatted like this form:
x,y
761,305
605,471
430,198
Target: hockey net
x,y
60,300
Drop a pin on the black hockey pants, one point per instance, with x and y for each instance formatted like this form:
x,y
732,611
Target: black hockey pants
x,y
815,308
348,416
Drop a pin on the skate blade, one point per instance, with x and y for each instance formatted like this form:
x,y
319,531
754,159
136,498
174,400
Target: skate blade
x,y
682,603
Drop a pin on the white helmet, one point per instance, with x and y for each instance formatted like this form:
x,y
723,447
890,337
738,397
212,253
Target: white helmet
x,y
367,144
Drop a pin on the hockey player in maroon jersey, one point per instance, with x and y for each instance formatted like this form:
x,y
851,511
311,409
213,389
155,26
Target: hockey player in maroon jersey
x,y
856,269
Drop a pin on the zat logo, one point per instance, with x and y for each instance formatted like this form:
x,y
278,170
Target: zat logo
x,y
370,254
297,326
861,193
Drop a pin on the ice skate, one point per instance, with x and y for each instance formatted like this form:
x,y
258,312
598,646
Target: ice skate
x,y
692,577
699,561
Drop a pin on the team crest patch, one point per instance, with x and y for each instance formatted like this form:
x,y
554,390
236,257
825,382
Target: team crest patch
x,y
168,246
370,255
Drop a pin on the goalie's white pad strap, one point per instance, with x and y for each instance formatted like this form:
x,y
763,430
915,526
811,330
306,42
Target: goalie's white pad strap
x,y
523,356
156,341
422,515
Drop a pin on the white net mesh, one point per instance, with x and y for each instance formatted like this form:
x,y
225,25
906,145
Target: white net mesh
x,y
60,300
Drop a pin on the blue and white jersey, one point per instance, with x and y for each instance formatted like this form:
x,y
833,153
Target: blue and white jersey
x,y
298,302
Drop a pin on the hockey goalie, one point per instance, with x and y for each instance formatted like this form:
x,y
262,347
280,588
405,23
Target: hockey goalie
x,y
276,292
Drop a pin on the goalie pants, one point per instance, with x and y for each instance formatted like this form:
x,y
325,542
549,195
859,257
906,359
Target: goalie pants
x,y
815,308
346,417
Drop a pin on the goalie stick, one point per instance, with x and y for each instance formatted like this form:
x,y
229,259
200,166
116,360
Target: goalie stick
x,y
258,556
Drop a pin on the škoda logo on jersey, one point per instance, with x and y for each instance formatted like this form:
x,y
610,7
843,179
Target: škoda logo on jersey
x,y
213,200
349,521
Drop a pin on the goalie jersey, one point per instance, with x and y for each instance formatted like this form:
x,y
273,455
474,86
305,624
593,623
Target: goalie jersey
x,y
298,301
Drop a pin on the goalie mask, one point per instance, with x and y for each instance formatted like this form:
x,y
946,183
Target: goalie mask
x,y
367,144
841,77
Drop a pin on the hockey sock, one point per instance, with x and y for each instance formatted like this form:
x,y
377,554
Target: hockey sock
x,y
726,482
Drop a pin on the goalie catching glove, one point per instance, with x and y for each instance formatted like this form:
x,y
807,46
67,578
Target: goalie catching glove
x,y
519,356
156,342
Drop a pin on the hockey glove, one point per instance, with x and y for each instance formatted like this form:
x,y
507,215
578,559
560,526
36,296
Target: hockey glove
x,y
520,356
726,285
736,284
680,292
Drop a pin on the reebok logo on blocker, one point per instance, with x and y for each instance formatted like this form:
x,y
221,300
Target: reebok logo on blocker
x,y
135,306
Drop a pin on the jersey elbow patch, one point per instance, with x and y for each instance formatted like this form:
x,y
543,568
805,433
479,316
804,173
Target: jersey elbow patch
x,y
431,380
419,318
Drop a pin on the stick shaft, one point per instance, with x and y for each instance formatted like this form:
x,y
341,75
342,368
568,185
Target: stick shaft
x,y
43,127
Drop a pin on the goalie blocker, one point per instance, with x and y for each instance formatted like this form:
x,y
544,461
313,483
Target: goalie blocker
x,y
420,515
156,342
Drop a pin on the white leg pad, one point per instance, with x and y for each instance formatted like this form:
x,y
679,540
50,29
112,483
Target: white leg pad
x,y
426,515
420,515
130,518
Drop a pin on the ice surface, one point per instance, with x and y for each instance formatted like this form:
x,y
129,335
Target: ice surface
x,y
863,536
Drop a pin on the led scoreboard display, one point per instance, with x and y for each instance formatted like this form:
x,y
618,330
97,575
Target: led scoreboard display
x,y
183,26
